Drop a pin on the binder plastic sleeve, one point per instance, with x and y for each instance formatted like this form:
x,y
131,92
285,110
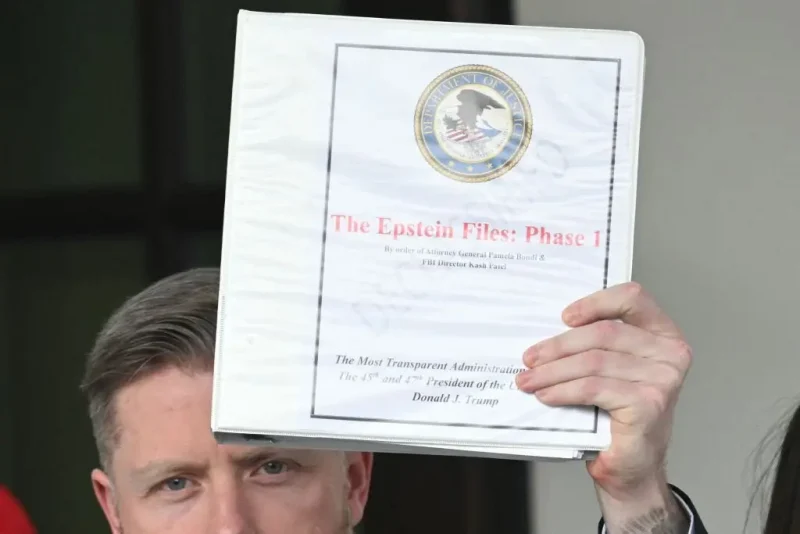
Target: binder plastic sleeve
x,y
409,206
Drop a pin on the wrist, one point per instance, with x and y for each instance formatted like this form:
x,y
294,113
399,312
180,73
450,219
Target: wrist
x,y
648,506
650,489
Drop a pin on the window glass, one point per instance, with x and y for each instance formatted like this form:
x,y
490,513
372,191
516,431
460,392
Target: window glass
x,y
203,250
74,121
209,37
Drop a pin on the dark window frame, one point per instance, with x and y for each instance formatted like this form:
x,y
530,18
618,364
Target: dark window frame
x,y
419,494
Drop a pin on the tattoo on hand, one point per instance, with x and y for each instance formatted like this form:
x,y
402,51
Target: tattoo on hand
x,y
658,521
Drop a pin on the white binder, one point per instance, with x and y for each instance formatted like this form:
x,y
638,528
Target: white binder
x,y
409,206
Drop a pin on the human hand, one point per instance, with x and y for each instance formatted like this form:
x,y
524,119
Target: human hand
x,y
626,356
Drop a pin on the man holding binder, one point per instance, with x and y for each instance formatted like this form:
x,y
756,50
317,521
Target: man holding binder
x,y
149,381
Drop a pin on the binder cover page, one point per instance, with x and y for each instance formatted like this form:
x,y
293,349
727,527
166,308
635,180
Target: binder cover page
x,y
409,207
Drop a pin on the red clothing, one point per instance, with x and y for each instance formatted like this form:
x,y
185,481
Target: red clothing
x,y
13,518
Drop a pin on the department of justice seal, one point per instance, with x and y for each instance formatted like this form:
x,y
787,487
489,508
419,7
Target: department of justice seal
x,y
473,123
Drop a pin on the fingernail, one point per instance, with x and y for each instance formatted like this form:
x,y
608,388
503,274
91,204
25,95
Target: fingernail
x,y
542,395
530,355
523,380
569,315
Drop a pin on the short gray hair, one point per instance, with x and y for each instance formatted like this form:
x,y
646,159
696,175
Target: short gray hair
x,y
170,323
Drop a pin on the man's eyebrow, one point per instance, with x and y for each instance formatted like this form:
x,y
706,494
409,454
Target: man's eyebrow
x,y
161,469
256,456
158,470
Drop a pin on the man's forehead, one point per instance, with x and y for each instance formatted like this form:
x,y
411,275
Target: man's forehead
x,y
168,409
166,418
164,423
168,389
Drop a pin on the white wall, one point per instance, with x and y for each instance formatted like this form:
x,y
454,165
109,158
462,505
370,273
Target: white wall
x,y
717,232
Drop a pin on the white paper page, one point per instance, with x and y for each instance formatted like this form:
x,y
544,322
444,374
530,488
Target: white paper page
x,y
509,453
391,248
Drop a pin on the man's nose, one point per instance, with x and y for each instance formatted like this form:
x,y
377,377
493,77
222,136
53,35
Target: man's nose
x,y
230,511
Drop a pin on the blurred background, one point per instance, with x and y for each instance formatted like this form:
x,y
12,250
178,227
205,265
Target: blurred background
x,y
114,144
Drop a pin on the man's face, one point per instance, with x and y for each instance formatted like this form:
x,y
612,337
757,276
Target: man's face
x,y
169,475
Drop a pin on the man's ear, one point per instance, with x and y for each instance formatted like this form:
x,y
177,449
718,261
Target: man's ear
x,y
104,492
359,476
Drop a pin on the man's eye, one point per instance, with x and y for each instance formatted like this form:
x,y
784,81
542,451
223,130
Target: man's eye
x,y
175,489
274,467
176,484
